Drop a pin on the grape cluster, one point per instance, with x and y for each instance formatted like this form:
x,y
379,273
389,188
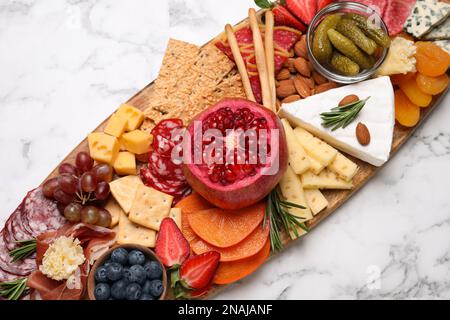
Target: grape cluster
x,y
78,187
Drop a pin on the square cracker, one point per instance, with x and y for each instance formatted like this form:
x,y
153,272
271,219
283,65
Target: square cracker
x,y
115,210
130,233
150,207
175,214
124,189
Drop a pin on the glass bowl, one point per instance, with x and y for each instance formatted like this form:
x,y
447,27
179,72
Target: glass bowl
x,y
344,7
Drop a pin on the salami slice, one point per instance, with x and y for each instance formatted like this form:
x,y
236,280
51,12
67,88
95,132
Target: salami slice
x,y
20,268
41,214
164,167
396,14
284,38
165,138
172,187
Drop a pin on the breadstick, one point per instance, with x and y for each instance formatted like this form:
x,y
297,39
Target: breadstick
x,y
239,62
270,56
261,63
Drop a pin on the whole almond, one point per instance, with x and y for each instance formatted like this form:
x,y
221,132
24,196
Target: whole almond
x,y
293,98
351,98
325,87
285,91
300,48
318,78
362,134
285,82
302,66
284,74
309,81
302,87
290,65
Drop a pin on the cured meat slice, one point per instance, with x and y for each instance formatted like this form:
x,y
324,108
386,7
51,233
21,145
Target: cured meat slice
x,y
94,240
41,214
20,268
284,40
396,14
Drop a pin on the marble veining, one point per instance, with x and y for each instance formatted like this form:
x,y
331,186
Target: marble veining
x,y
66,65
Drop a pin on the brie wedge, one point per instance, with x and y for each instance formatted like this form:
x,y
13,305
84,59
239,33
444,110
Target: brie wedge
x,y
378,115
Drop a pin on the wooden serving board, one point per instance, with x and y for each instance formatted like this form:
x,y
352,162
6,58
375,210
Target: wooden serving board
x,y
335,197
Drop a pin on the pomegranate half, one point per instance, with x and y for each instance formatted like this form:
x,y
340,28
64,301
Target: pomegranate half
x,y
240,173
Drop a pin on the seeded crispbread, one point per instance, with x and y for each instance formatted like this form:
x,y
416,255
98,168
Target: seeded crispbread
x,y
202,81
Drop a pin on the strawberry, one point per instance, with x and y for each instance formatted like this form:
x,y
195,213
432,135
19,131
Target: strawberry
x,y
198,271
283,17
171,246
323,3
302,9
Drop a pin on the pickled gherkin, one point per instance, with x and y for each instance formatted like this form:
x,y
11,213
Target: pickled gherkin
x,y
349,29
344,65
349,49
376,34
321,48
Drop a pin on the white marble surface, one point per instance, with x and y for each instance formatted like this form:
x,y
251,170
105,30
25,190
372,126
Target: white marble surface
x,y
66,65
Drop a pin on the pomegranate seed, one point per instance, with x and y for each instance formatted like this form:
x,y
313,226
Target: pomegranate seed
x,y
214,177
230,176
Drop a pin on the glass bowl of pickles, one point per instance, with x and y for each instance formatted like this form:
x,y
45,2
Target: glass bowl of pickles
x,y
347,42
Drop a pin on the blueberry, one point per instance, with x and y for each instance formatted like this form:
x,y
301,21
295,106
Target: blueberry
x,y
153,270
136,257
118,289
120,255
136,274
114,271
101,274
133,291
127,274
146,296
107,263
102,291
156,288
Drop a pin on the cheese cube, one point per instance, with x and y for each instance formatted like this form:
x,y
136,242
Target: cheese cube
x,y
134,116
125,163
116,126
137,141
103,147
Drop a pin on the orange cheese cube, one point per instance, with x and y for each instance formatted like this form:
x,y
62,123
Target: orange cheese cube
x,y
103,147
134,116
125,164
116,126
136,141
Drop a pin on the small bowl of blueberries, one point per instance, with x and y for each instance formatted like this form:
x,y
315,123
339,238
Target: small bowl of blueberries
x,y
127,272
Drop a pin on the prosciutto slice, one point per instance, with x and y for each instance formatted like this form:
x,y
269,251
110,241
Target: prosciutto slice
x,y
284,40
94,240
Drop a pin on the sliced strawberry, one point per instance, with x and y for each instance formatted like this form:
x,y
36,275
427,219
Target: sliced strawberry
x,y
198,271
171,246
323,3
303,9
283,17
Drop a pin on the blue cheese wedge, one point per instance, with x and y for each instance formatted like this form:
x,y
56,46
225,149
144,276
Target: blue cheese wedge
x,y
424,16
378,115
441,32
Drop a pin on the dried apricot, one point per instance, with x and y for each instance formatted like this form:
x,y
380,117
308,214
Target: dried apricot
x,y
417,96
431,60
432,85
406,112
396,79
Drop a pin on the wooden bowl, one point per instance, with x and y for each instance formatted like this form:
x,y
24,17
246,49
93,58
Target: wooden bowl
x,y
149,254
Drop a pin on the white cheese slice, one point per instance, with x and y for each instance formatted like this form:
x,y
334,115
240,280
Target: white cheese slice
x,y
378,115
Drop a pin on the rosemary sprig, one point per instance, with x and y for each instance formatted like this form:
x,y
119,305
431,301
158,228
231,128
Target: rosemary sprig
x,y
280,219
25,249
13,290
342,116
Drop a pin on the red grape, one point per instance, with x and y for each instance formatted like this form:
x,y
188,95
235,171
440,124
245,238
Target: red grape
x,y
89,215
68,183
62,197
102,190
103,172
104,218
84,162
68,168
49,187
73,212
87,182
